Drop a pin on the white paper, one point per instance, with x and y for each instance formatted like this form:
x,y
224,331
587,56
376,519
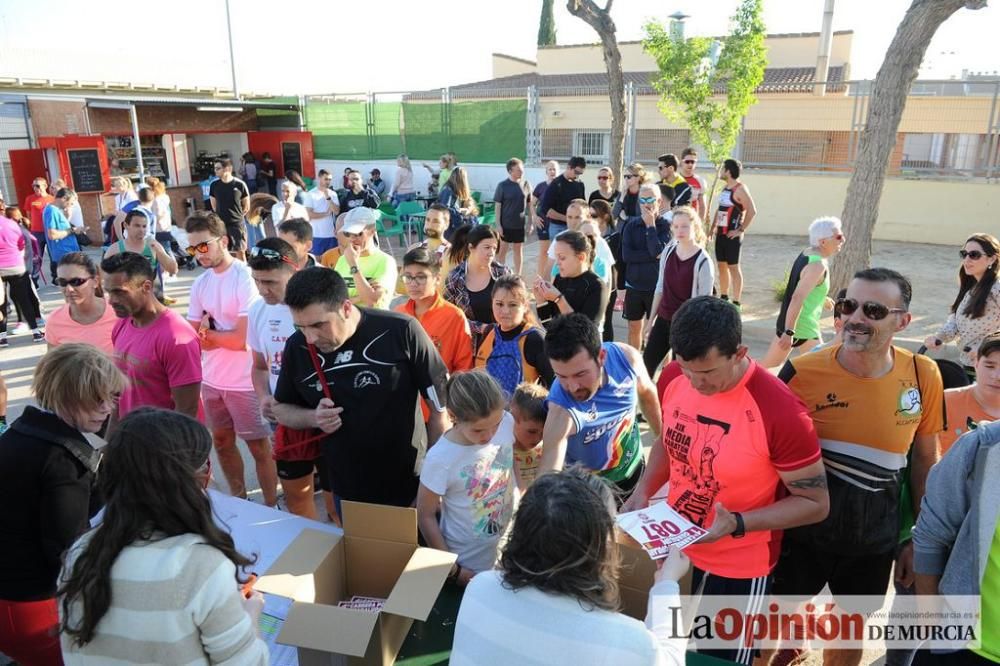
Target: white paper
x,y
658,528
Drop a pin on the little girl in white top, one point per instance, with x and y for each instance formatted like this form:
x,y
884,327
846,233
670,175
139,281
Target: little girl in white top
x,y
469,476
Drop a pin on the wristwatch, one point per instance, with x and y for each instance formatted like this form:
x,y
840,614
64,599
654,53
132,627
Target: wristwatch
x,y
741,530
354,270
790,332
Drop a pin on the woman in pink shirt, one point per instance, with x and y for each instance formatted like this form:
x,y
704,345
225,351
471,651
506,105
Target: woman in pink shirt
x,y
86,317
16,278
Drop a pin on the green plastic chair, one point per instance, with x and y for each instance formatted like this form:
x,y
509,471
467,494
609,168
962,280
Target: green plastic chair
x,y
488,214
397,229
387,208
478,196
412,208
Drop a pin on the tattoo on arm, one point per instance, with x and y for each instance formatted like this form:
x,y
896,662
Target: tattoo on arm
x,y
818,481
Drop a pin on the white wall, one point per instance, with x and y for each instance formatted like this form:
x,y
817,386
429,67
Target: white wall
x,y
235,143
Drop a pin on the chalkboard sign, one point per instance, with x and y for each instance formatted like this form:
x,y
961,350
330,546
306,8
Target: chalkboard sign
x,y
291,156
85,168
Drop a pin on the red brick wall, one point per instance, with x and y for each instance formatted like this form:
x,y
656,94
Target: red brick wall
x,y
170,119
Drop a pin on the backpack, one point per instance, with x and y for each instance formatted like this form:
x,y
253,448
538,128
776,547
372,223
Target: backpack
x,y
504,360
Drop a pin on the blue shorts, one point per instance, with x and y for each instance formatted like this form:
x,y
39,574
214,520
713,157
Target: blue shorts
x,y
555,228
321,245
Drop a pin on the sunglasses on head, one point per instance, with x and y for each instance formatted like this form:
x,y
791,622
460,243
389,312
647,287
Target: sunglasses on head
x,y
645,201
971,254
200,248
76,283
871,309
270,255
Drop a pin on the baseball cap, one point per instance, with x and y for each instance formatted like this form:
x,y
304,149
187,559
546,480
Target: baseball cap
x,y
358,219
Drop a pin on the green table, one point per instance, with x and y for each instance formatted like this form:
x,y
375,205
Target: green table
x,y
429,643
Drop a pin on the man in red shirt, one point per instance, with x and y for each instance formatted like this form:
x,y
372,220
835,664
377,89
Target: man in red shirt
x,y
34,204
740,453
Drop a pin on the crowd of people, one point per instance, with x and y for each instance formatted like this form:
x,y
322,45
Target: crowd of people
x,y
501,407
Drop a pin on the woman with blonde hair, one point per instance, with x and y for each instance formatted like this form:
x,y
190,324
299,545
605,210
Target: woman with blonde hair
x,y
606,187
402,184
628,201
686,270
48,469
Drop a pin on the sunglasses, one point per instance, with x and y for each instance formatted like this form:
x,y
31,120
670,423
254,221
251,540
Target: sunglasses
x,y
837,237
645,201
36,186
690,161
201,248
602,178
270,255
631,175
76,283
975,255
871,309
348,234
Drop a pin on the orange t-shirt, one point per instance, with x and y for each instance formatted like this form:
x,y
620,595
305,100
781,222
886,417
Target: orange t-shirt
x,y
34,204
729,448
60,328
964,412
448,329
871,419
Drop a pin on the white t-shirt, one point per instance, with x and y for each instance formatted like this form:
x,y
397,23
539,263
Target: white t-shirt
x,y
268,327
76,216
476,484
225,296
161,208
317,202
278,213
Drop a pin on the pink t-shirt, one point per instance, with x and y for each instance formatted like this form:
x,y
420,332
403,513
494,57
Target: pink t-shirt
x,y
158,357
11,244
60,328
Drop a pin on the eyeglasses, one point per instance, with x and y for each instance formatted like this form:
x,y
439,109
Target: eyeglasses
x,y
76,283
690,161
270,255
200,248
415,279
975,255
645,201
871,309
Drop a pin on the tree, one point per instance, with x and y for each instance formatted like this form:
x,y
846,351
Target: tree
x,y
600,20
885,110
689,83
547,25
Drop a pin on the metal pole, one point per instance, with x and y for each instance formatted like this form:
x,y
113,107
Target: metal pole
x,y
135,140
825,44
232,57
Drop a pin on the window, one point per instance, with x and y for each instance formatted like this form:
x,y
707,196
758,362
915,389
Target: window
x,y
592,145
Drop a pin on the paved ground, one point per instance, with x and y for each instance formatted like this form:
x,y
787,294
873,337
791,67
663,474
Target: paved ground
x,y
932,269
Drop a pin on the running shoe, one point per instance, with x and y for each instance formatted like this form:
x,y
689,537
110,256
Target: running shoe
x,y
38,336
20,329
4,342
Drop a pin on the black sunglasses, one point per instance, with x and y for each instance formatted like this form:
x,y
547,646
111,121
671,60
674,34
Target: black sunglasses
x,y
871,309
76,283
975,255
690,161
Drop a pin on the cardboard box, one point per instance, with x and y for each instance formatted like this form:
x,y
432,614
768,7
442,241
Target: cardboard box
x,y
377,556
635,577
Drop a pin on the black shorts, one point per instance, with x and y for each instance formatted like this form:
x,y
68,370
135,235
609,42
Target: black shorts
x,y
638,304
802,571
756,591
514,235
727,250
296,469
237,238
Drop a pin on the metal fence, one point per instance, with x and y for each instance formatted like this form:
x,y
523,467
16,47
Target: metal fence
x,y
950,129
14,135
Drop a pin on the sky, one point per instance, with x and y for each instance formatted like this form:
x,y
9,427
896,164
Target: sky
x,y
308,47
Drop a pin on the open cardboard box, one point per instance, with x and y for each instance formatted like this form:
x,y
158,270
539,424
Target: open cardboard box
x,y
635,577
377,556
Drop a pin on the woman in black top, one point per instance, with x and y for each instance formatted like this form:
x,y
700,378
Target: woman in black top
x,y
628,203
576,288
606,190
47,471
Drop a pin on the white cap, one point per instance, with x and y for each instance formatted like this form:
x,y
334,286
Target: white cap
x,y
358,219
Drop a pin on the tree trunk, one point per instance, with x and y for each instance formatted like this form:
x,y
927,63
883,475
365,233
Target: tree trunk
x,y
600,21
885,110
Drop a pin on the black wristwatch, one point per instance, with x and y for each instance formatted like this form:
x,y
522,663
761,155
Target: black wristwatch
x,y
741,529
354,270
790,332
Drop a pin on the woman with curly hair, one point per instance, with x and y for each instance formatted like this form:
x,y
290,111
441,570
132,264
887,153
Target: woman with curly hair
x,y
553,597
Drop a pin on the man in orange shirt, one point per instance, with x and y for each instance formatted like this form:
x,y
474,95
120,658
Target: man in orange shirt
x,y
34,204
969,405
444,323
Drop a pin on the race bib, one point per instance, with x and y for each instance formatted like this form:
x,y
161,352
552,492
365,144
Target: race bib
x,y
658,528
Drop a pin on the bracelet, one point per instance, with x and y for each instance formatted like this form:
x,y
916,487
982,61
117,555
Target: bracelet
x,y
555,301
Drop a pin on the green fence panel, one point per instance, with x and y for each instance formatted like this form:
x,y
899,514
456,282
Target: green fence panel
x,y
386,140
488,132
275,118
340,129
424,130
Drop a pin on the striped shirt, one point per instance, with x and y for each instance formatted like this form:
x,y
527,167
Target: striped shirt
x,y
174,601
528,627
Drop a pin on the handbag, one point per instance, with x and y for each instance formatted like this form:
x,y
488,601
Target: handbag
x,y
82,239
291,444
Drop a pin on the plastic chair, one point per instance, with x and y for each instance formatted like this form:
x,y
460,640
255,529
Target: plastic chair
x,y
397,229
488,214
412,215
387,208
477,196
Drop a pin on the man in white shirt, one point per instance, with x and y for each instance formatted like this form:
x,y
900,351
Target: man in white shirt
x,y
220,303
323,209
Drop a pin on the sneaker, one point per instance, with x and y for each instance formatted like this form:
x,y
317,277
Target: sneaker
x,y
38,336
20,329
4,342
